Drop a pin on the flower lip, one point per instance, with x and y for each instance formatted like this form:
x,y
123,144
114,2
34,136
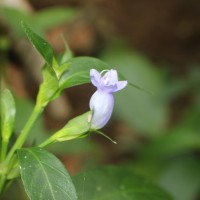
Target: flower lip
x,y
107,82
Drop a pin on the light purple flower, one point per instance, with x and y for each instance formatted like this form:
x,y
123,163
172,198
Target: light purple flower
x,y
102,101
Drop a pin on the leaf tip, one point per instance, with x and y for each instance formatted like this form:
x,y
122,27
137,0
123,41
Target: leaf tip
x,y
140,88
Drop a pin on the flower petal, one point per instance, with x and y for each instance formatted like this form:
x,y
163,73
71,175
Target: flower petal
x,y
95,77
109,78
113,77
121,85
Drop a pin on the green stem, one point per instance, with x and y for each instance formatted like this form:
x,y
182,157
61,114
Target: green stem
x,y
3,184
22,137
3,150
47,142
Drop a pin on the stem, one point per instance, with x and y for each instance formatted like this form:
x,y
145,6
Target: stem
x,y
4,149
3,184
47,142
22,137
20,141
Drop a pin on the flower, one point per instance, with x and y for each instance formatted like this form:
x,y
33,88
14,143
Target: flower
x,y
102,101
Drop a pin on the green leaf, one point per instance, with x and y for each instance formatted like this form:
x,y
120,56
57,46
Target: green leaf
x,y
13,18
63,58
75,128
40,21
174,143
116,183
49,86
39,43
61,64
50,17
78,71
44,177
181,177
8,111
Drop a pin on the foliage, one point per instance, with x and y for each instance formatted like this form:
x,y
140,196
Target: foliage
x,y
166,163
170,154
42,174
117,183
41,21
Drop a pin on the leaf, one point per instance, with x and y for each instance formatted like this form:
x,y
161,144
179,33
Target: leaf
x,y
75,128
49,86
108,183
50,17
7,109
39,43
61,60
13,18
43,175
181,177
78,71
174,143
40,21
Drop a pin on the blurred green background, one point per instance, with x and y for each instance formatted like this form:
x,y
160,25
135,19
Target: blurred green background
x,y
154,44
